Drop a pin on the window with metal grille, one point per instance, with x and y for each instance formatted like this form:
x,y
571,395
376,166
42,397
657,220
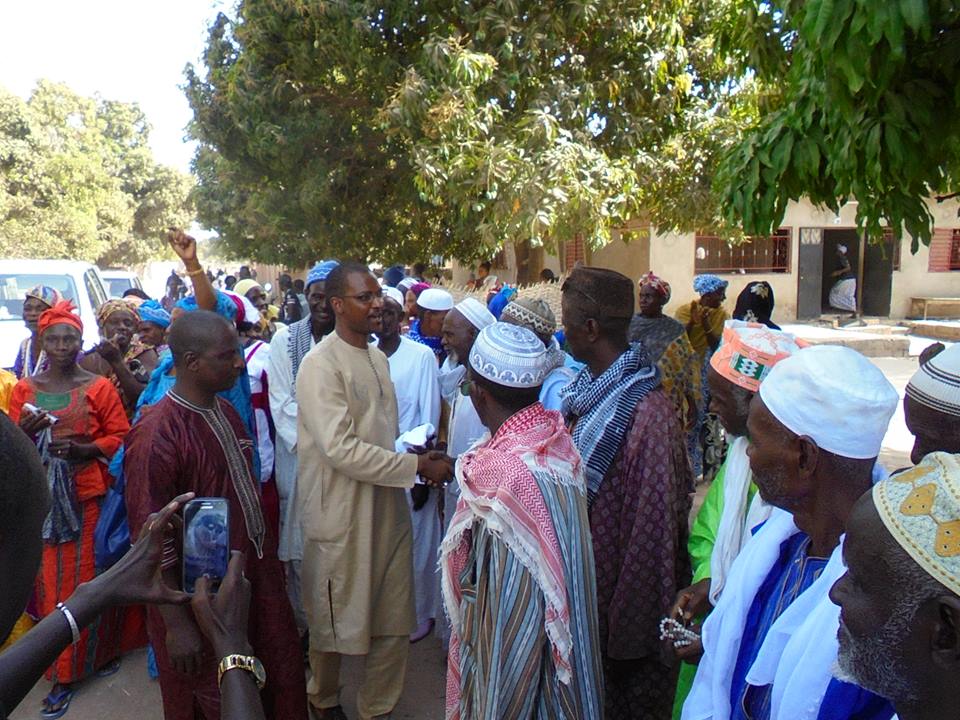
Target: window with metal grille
x,y
759,254
944,250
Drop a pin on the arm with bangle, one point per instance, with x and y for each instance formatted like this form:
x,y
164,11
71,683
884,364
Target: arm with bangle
x,y
133,580
186,248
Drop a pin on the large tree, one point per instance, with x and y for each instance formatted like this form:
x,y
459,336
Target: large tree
x,y
395,130
863,104
78,180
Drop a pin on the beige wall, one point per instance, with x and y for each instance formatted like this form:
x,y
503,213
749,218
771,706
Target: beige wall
x,y
671,256
914,279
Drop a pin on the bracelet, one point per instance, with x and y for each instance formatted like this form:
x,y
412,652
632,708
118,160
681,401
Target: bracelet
x,y
198,271
71,620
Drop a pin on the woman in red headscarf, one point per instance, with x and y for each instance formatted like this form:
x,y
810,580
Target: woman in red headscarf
x,y
78,422
666,344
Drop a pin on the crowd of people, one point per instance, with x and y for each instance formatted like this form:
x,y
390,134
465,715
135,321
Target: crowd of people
x,y
398,464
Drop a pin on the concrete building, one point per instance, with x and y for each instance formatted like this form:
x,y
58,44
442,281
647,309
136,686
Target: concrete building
x,y
797,261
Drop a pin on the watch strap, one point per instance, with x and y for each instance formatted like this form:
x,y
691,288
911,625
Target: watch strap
x,y
240,662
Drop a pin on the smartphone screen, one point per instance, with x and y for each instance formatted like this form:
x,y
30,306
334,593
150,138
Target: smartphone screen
x,y
206,541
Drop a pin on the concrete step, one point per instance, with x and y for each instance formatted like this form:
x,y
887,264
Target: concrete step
x,y
862,340
937,329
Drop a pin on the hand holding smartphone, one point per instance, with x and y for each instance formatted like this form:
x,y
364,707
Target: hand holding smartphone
x,y
206,542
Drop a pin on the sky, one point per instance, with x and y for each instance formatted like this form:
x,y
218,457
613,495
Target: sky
x,y
128,50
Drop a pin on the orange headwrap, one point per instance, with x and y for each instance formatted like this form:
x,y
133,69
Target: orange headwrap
x,y
61,313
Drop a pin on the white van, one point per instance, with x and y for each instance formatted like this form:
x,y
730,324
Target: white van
x,y
76,281
119,281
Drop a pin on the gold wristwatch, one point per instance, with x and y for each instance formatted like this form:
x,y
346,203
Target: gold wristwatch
x,y
243,662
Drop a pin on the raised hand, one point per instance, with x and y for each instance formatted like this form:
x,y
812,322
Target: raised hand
x,y
109,351
183,245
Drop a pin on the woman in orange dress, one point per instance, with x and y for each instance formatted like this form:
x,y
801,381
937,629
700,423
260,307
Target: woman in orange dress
x,y
87,423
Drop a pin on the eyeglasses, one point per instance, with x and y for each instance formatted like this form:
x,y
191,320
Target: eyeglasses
x,y
466,387
365,298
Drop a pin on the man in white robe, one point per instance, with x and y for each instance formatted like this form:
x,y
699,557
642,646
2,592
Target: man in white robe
x,y
460,329
287,350
816,428
413,370
357,555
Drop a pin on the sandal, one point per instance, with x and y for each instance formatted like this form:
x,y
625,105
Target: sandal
x,y
110,669
56,703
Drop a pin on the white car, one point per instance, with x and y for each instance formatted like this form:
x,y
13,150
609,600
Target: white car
x,y
76,281
119,281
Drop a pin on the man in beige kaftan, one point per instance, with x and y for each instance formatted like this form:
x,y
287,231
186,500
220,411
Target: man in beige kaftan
x,y
357,562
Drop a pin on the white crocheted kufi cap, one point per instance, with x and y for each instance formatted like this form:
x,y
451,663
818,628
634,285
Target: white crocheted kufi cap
x,y
435,299
509,355
937,383
833,395
393,294
475,311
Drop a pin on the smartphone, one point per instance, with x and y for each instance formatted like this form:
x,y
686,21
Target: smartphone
x,y
206,541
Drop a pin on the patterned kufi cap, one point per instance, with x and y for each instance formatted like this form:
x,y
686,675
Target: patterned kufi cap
x,y
937,383
532,313
45,294
704,284
509,355
320,271
748,352
921,509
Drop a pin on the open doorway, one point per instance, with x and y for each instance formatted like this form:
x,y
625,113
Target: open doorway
x,y
832,237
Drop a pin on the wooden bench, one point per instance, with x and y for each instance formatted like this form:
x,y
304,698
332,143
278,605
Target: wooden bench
x,y
936,306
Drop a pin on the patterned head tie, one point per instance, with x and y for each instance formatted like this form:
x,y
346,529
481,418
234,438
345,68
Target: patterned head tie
x,y
112,307
706,284
44,293
657,283
936,383
534,314
921,509
748,352
509,355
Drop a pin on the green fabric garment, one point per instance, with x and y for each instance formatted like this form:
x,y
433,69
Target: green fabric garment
x,y
703,532
703,536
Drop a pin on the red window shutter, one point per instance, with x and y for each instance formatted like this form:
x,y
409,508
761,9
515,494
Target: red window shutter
x,y
940,247
574,252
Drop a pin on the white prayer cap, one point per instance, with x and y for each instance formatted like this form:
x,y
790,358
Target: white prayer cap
x,y
404,285
509,355
833,395
937,383
393,294
435,299
474,311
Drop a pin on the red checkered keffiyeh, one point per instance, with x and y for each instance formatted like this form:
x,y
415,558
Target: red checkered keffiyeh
x,y
498,488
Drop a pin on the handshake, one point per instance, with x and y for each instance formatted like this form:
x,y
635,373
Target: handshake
x,y
434,465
